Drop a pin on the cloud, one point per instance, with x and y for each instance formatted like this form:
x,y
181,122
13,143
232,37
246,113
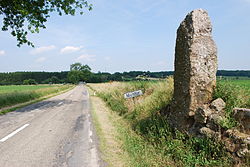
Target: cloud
x,y
40,59
70,49
42,49
2,52
86,57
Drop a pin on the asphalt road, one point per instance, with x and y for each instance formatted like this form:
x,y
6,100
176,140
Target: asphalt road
x,y
53,133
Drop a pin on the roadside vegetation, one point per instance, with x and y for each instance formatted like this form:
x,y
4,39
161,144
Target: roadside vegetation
x,y
146,135
236,93
15,94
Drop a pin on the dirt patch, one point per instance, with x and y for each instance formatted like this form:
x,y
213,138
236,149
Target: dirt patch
x,y
110,144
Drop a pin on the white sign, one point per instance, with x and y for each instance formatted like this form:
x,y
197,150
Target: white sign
x,y
133,94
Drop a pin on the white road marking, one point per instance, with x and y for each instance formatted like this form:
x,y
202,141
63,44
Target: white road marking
x,y
60,103
90,135
13,133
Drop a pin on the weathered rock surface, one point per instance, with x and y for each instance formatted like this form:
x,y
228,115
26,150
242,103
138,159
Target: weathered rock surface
x,y
240,141
242,115
195,68
218,105
210,133
202,114
238,136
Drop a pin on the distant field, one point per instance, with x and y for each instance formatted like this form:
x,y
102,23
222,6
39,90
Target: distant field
x,y
13,88
15,94
242,83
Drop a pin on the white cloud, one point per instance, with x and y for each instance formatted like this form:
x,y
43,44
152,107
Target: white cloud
x,y
2,52
42,49
40,59
70,49
86,57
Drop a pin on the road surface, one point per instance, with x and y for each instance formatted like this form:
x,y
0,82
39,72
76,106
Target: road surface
x,y
53,133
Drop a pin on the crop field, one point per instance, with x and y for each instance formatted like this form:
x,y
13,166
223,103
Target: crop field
x,y
19,88
245,84
15,94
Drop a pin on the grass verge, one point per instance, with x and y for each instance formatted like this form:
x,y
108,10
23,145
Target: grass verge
x,y
147,137
119,144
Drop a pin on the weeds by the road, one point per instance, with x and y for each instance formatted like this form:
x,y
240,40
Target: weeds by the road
x,y
147,136
119,144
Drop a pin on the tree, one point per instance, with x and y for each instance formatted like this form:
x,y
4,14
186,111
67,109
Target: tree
x,y
79,72
34,13
29,82
55,80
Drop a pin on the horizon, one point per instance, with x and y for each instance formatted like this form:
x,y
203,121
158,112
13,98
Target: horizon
x,y
114,72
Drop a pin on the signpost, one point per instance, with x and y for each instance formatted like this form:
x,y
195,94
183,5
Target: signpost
x,y
133,94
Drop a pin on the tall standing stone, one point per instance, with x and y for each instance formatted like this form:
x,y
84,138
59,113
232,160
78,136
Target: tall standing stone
x,y
195,68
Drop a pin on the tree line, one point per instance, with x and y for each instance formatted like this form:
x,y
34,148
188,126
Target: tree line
x,y
82,73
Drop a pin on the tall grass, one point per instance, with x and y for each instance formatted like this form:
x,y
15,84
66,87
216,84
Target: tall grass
x,y
235,94
21,95
142,116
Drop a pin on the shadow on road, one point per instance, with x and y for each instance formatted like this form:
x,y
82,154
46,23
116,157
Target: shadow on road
x,y
44,105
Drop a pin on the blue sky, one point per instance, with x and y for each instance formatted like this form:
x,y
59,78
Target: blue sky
x,y
125,35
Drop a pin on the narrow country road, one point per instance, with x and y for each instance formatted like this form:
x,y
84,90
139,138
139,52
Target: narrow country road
x,y
53,133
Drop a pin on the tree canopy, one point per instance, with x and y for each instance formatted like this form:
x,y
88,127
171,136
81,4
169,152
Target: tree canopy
x,y
79,72
17,14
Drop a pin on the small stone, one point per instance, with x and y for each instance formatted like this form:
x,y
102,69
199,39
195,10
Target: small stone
x,y
230,146
202,114
214,121
242,152
238,136
210,133
216,118
218,105
242,115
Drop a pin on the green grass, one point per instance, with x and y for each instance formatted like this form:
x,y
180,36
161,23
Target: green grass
x,y
245,84
236,93
13,88
147,137
12,95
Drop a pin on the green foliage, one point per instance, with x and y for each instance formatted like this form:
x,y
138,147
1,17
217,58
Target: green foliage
x,y
34,14
235,95
115,104
79,72
156,139
17,78
29,82
46,77
75,76
183,149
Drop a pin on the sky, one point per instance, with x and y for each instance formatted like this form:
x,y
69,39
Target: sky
x,y
129,35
